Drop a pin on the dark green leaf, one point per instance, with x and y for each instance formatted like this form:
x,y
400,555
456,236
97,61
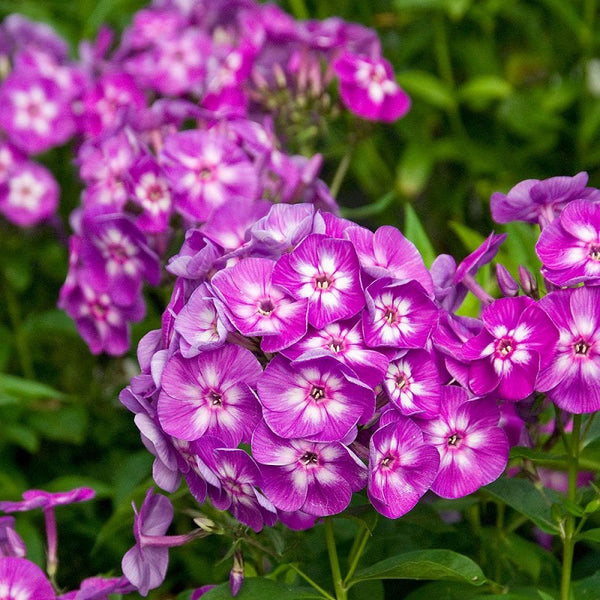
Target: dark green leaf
x,y
415,232
591,535
25,388
480,91
424,86
587,589
439,565
259,588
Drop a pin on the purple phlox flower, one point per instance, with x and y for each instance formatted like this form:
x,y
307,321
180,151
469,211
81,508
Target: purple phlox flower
x,y
165,469
535,201
11,543
257,307
229,224
318,399
452,282
35,114
114,97
179,62
473,448
413,384
150,191
136,397
506,282
387,253
21,579
10,157
517,340
238,477
199,592
168,319
210,394
569,247
196,258
116,257
150,24
326,272
103,325
343,340
334,33
316,478
297,520
571,378
285,226
99,588
145,564
29,195
199,324
398,314
195,473
206,170
368,88
513,425
24,33
402,467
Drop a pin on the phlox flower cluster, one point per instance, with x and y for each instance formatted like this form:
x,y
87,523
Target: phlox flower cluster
x,y
182,120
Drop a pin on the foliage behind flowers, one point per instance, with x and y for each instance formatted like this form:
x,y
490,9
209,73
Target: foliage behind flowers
x,y
306,367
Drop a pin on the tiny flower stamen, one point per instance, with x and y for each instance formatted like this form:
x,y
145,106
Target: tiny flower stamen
x,y
309,458
454,440
323,282
387,460
504,347
391,316
266,307
581,348
216,399
336,346
317,393
594,252
401,381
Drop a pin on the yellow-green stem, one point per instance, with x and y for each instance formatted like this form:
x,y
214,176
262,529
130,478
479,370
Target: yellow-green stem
x,y
569,533
336,573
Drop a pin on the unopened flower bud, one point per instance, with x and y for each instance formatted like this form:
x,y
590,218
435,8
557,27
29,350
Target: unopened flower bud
x,y
506,282
236,575
528,282
208,525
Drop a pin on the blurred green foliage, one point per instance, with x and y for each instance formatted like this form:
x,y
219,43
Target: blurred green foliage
x,y
502,90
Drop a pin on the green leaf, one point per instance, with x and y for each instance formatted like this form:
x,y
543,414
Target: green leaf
x,y
524,497
587,589
448,590
414,169
439,565
25,388
20,436
260,588
69,424
424,86
591,535
481,91
470,238
415,232
557,461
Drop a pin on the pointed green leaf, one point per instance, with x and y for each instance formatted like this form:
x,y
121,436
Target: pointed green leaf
x,y
439,565
260,588
424,86
25,388
415,232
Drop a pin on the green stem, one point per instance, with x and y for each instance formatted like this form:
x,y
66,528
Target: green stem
x,y
336,573
340,173
312,583
569,532
360,542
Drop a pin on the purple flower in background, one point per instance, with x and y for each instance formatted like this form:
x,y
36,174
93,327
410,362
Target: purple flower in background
x,y
535,201
21,579
99,588
34,113
257,307
11,543
399,314
344,341
473,448
210,394
29,194
326,272
569,247
388,253
298,474
402,467
413,384
206,171
517,340
571,379
196,258
47,500
237,477
369,89
10,157
116,258
317,399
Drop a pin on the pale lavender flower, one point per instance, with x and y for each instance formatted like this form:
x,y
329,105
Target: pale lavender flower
x,y
210,394
517,341
316,478
326,272
11,543
402,467
571,379
317,399
473,448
